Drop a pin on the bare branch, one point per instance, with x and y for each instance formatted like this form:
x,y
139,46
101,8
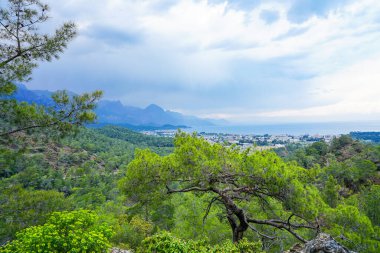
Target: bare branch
x,y
170,191
281,225
214,199
262,234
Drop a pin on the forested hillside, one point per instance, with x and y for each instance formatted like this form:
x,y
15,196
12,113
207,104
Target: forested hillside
x,y
39,176
94,170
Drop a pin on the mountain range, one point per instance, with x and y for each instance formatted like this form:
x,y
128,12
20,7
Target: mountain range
x,y
115,113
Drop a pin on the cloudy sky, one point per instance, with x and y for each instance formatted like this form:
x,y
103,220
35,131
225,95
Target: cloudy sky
x,y
241,60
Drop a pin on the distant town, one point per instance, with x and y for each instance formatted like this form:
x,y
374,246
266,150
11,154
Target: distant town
x,y
260,142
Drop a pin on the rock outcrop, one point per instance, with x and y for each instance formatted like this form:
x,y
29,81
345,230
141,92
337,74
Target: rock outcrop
x,y
323,243
117,250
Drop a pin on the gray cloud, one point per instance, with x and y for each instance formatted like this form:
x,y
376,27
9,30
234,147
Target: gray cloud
x,y
223,69
112,36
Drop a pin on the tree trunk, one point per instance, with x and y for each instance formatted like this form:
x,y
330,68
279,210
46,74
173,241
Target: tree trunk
x,y
237,235
237,230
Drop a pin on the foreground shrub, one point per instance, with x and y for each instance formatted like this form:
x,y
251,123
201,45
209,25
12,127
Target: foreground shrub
x,y
76,231
164,242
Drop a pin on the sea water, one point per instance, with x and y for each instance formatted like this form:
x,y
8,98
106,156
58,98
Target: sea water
x,y
326,128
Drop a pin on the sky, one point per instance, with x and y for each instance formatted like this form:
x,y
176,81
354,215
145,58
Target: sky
x,y
242,61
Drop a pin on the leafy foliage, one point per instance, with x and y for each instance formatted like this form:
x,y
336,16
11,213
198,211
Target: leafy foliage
x,y
76,172
134,137
232,179
331,191
22,46
20,208
164,242
62,118
370,203
350,162
82,172
353,228
199,192
76,231
367,136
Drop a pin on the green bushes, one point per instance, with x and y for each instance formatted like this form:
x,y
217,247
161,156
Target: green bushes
x,y
353,229
74,232
164,242
21,208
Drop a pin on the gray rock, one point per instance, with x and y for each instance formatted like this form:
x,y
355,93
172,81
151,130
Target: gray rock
x,y
117,250
323,243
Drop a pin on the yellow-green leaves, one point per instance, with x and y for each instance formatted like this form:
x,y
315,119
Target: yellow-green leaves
x,y
353,229
74,232
164,242
228,177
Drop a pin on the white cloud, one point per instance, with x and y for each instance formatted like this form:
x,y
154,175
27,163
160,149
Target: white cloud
x,y
202,25
197,44
194,26
351,93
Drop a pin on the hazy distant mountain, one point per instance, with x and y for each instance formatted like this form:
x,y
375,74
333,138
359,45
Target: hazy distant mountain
x,y
41,97
114,112
153,115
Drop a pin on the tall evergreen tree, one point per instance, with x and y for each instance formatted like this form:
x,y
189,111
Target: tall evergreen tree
x,y
22,46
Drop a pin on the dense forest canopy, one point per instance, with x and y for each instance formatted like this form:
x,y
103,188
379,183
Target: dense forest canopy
x,y
138,193
68,188
245,185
